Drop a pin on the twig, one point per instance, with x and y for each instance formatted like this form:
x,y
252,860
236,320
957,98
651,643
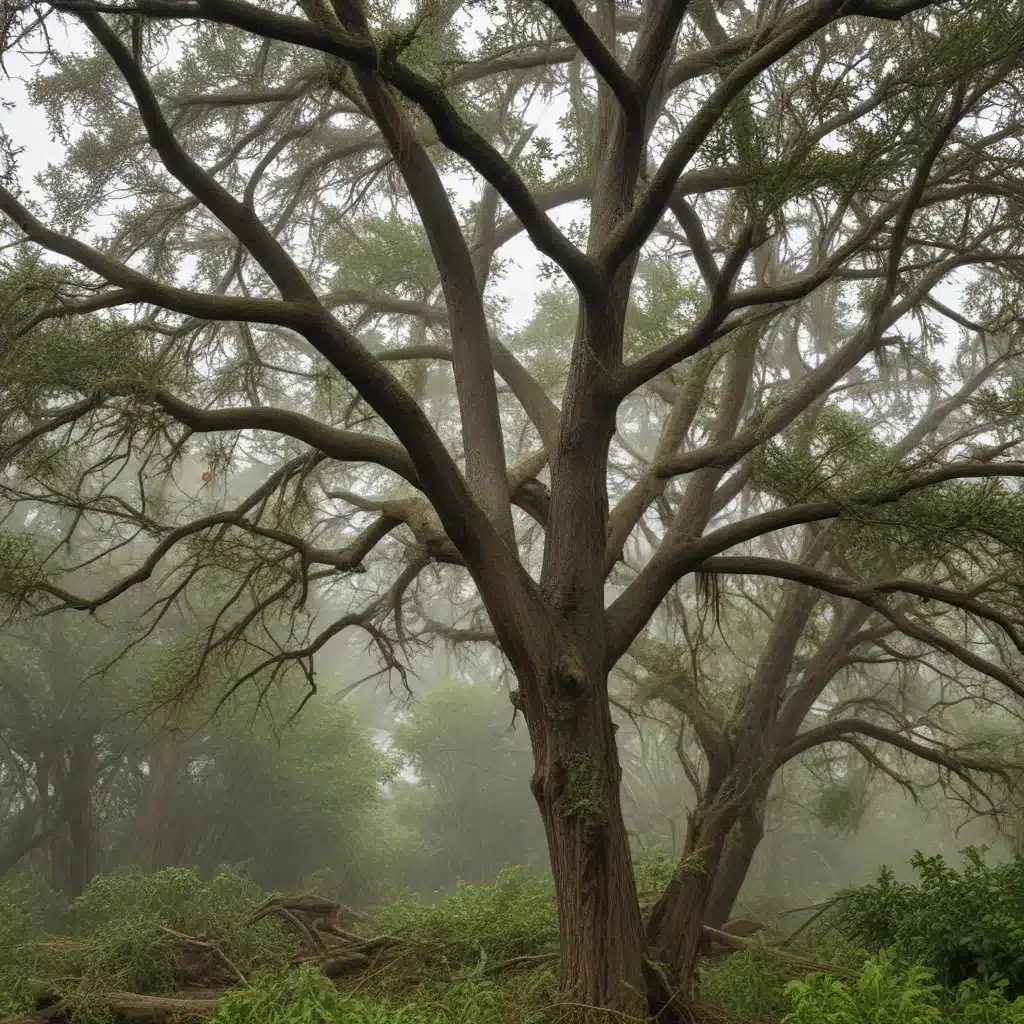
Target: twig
x,y
200,943
535,959
821,909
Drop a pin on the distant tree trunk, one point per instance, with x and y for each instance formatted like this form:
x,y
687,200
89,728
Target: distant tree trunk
x,y
163,773
735,866
78,798
29,832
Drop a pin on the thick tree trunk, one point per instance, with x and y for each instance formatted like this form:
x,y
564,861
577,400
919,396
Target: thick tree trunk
x,y
735,866
576,786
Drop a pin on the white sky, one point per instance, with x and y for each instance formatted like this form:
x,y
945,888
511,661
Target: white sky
x,y
27,127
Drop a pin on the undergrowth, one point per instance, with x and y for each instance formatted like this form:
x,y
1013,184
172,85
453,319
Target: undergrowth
x,y
949,950
890,992
960,924
307,997
480,925
125,933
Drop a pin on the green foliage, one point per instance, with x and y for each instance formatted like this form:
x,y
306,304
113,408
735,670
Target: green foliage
x,y
749,983
654,869
835,455
307,997
284,800
28,907
961,924
662,304
482,924
472,801
889,992
884,993
872,913
120,938
978,1003
303,996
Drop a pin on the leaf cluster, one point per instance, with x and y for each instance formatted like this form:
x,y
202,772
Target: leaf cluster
x,y
962,925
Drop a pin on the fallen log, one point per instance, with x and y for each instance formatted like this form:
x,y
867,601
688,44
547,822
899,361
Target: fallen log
x,y
736,942
125,1007
338,966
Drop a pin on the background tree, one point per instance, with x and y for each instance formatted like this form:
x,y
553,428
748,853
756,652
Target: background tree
x,y
471,798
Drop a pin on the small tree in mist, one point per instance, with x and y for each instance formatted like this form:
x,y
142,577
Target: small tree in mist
x,y
828,679
779,196
470,801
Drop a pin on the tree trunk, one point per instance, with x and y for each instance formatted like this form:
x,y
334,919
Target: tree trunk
x,y
576,786
674,932
735,866
163,773
78,797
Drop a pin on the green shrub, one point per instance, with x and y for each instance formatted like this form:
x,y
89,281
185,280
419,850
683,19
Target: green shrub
x,y
28,907
480,924
885,993
654,870
303,996
967,924
749,983
120,940
978,1003
888,992
872,913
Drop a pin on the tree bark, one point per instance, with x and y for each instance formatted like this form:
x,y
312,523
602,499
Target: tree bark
x,y
675,930
735,866
78,798
576,786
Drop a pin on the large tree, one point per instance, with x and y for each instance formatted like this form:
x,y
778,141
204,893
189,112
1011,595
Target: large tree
x,y
280,256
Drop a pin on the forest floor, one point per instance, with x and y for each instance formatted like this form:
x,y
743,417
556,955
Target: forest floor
x,y
171,948
423,968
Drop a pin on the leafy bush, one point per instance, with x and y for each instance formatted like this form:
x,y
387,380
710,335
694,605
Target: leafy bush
x,y
872,913
482,923
888,992
28,906
307,997
126,914
121,933
967,924
654,870
304,996
885,993
750,983
978,1003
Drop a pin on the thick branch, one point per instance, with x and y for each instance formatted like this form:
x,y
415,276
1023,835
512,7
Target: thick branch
x,y
452,129
871,594
957,763
341,445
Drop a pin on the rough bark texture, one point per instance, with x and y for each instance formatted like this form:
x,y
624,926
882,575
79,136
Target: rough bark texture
x,y
576,785
163,772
